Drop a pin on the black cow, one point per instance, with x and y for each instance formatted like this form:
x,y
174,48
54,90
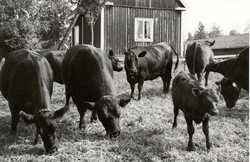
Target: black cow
x,y
230,91
148,63
196,103
236,69
26,82
198,56
88,80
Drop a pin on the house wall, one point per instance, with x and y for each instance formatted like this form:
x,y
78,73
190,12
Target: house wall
x,y
119,27
85,32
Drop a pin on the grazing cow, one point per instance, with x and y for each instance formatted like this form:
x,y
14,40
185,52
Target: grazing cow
x,y
236,69
148,63
196,103
230,91
88,80
26,82
198,56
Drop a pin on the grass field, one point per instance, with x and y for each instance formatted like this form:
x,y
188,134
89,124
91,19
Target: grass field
x,y
146,135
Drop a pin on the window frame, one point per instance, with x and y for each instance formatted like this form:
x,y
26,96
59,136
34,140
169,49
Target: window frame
x,y
151,30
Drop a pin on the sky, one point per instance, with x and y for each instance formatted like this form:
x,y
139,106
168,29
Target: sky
x,y
227,14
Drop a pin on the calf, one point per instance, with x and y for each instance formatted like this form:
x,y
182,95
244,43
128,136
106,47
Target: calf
x,y
148,63
196,103
198,56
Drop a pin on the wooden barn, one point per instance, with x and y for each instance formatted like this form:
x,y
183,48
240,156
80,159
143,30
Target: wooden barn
x,y
127,23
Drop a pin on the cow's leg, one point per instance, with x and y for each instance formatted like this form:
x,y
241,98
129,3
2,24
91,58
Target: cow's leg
x,y
132,86
166,77
190,128
14,119
163,78
93,116
199,76
36,137
140,85
205,128
176,112
82,110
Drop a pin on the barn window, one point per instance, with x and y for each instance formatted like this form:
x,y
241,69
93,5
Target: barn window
x,y
144,29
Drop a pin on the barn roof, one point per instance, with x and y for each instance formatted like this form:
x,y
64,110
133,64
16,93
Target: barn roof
x,y
228,42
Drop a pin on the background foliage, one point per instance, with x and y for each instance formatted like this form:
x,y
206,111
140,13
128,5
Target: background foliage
x,y
37,23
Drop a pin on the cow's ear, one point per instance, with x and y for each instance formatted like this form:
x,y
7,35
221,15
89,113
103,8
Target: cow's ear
x,y
60,112
28,118
142,54
212,43
196,92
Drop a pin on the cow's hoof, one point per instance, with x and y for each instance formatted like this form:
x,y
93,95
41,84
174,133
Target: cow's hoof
x,y
93,120
174,125
191,148
209,147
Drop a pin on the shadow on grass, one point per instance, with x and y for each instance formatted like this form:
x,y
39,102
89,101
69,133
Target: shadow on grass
x,y
145,143
10,143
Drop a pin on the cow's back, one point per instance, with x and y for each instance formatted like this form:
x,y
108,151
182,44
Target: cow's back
x,y
86,74
27,80
156,60
198,56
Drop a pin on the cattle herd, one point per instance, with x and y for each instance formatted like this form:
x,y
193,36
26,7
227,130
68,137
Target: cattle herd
x,y
27,76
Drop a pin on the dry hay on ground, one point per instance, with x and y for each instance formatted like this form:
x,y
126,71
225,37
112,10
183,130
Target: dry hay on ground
x,y
146,132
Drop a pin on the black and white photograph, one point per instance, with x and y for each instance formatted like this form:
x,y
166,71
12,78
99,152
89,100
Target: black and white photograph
x,y
124,80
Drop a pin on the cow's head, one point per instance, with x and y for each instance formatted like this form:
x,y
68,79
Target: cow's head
x,y
46,125
230,91
131,62
108,110
116,65
208,99
209,43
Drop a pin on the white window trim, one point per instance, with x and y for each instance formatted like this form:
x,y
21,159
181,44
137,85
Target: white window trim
x,y
151,22
76,35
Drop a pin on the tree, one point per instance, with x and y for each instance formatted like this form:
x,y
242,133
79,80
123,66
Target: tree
x,y
34,21
52,20
247,28
233,32
190,37
215,32
200,32
16,27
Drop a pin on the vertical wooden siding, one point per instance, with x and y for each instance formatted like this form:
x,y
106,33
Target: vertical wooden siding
x,y
146,3
119,27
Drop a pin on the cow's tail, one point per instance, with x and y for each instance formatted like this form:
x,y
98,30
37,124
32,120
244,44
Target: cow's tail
x,y
177,62
194,56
